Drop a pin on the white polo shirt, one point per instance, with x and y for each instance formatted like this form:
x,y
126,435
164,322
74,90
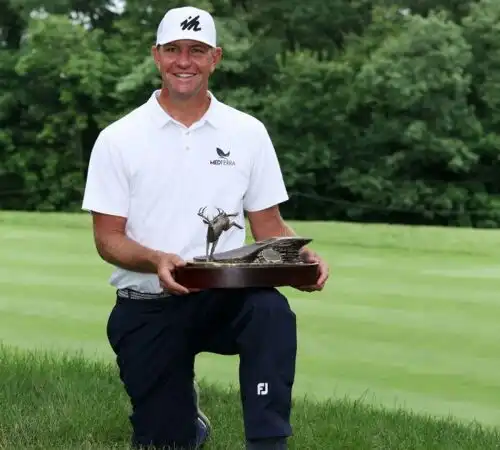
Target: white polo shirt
x,y
158,173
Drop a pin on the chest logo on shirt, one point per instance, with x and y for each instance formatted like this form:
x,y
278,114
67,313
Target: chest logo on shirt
x,y
223,158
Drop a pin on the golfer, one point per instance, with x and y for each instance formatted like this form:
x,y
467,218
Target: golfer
x,y
149,174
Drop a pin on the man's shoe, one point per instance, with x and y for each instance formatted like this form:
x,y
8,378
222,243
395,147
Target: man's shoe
x,y
202,432
203,425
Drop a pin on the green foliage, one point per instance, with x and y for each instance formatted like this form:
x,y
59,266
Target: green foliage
x,y
307,117
482,30
378,111
59,66
413,90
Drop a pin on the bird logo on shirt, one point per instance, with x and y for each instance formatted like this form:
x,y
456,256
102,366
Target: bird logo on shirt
x,y
221,153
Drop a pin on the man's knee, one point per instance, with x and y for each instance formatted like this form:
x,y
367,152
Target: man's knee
x,y
269,302
268,316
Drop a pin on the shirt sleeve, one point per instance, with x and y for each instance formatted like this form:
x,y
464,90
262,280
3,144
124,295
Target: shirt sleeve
x,y
107,185
266,187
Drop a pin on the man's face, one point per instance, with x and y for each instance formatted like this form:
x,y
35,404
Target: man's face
x,y
185,66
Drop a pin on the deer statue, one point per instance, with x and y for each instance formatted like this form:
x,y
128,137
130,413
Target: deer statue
x,y
216,226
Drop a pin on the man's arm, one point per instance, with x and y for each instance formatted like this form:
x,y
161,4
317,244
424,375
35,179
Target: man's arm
x,y
267,187
116,248
268,223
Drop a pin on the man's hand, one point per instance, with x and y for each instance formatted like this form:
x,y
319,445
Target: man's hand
x,y
309,256
167,263
116,248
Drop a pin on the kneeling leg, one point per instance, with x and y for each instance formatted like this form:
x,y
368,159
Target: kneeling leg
x,y
267,342
157,369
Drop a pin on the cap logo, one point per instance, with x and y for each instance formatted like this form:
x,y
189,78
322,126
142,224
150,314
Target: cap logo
x,y
191,24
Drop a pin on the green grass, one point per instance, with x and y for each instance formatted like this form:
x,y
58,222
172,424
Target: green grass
x,y
72,403
408,319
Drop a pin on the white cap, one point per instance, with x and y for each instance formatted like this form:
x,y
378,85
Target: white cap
x,y
186,23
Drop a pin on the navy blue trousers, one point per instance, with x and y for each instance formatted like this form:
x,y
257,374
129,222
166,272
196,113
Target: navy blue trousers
x,y
156,342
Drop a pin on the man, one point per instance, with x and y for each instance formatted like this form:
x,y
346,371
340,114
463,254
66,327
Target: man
x,y
149,174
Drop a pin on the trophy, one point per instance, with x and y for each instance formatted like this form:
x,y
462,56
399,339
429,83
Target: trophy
x,y
269,263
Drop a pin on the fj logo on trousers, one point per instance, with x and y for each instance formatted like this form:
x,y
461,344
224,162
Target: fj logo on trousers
x,y
262,389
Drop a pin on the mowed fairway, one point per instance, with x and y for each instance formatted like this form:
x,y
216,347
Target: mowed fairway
x,y
409,317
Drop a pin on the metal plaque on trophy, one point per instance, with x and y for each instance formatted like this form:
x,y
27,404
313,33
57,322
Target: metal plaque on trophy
x,y
270,263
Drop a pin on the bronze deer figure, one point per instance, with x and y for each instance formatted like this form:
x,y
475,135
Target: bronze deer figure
x,y
216,226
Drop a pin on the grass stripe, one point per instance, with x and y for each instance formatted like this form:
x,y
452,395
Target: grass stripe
x,y
54,398
410,312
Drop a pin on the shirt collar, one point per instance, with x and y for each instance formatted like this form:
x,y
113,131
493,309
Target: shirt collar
x,y
162,118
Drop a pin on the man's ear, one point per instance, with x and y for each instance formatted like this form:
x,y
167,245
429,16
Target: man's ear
x,y
156,56
217,57
218,53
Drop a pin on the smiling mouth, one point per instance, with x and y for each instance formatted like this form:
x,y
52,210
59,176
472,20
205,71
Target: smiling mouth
x,y
184,75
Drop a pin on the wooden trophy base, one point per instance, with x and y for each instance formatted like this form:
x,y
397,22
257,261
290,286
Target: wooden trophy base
x,y
206,275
